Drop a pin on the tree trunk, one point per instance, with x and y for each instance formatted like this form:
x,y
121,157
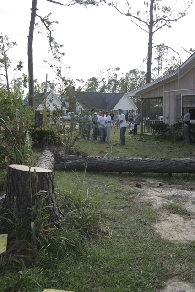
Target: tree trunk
x,y
38,119
5,60
137,165
150,37
45,160
30,191
30,52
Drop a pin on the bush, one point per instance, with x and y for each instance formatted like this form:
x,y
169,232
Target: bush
x,y
45,136
160,127
172,132
175,131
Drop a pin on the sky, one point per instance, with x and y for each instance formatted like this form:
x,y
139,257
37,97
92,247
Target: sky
x,y
94,39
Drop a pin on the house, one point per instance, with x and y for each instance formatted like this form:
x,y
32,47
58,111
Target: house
x,y
47,100
103,101
169,95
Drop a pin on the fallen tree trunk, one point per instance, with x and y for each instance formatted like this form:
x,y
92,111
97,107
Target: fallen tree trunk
x,y
124,164
45,160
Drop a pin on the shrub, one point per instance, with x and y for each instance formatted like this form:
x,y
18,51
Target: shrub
x,y
45,136
15,146
160,127
170,132
69,138
175,131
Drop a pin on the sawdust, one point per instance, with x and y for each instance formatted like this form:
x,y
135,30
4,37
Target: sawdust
x,y
174,285
170,226
174,227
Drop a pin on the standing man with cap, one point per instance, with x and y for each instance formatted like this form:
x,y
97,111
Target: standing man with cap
x,y
186,122
123,126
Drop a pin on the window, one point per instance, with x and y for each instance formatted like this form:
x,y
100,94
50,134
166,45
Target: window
x,y
188,101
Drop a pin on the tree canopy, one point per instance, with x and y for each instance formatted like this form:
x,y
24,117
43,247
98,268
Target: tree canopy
x,y
151,17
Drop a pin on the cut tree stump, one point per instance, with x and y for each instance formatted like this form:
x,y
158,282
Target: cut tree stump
x,y
124,164
38,119
27,190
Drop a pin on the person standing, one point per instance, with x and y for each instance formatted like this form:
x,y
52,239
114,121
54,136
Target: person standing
x,y
123,125
130,116
138,118
186,123
87,125
112,117
102,127
95,126
108,125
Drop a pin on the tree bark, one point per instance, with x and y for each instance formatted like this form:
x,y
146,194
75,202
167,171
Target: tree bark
x,y
150,37
136,165
45,160
30,52
31,191
38,119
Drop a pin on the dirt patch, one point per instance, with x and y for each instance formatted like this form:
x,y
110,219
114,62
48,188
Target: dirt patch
x,y
175,227
174,285
170,226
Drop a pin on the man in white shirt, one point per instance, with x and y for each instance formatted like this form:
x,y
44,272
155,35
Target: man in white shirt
x,y
102,127
123,126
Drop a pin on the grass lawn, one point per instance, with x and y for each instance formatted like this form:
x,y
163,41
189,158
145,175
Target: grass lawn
x,y
108,243
151,146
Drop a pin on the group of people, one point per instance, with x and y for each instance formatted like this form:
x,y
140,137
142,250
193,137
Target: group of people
x,y
100,124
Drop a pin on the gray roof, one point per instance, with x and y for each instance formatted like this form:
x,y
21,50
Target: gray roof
x,y
38,99
98,100
181,71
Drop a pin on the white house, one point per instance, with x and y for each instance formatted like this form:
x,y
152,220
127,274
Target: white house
x,y
103,101
48,100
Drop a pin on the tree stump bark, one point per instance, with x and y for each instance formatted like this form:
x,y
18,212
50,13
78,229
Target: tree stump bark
x,y
38,119
29,191
124,164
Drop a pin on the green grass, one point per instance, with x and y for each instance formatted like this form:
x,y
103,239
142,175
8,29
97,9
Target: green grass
x,y
149,146
108,242
176,209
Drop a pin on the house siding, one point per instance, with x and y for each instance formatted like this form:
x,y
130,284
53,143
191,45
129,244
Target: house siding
x,y
155,93
171,93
